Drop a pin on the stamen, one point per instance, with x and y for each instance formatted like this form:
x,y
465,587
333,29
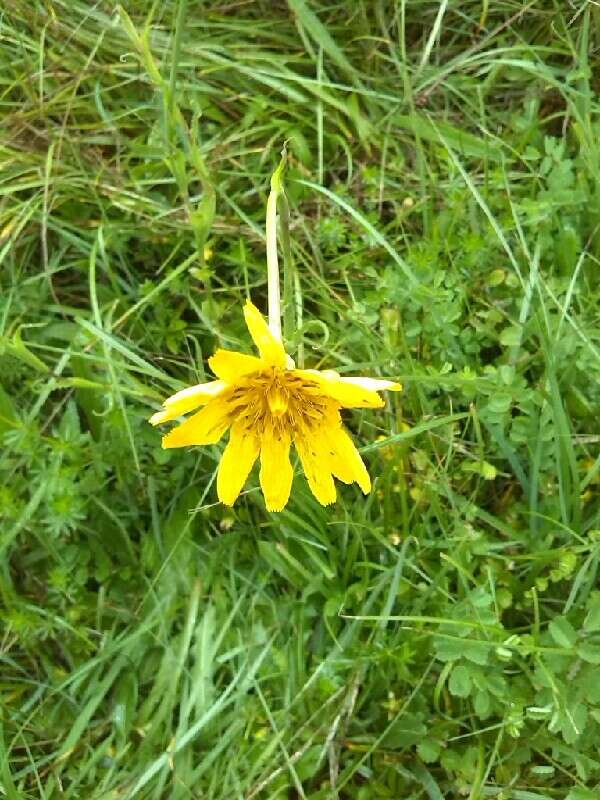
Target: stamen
x,y
277,401
277,398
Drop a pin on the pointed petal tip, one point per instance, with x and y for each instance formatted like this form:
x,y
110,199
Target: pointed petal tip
x,y
324,499
193,396
230,365
276,508
269,346
372,384
277,504
167,441
251,312
328,502
157,418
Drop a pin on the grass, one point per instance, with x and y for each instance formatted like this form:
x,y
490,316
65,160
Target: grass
x,y
437,639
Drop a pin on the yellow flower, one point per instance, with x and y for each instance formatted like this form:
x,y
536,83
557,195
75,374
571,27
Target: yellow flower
x,y
268,404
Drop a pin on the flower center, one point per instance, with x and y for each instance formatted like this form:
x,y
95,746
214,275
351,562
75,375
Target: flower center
x,y
277,399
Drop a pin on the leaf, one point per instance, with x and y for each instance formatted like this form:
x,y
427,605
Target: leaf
x,y
427,781
428,750
487,471
8,412
573,722
475,650
309,20
279,559
125,702
563,633
580,793
405,731
496,277
448,649
500,402
482,704
592,619
463,142
589,652
511,336
412,432
17,348
309,763
460,681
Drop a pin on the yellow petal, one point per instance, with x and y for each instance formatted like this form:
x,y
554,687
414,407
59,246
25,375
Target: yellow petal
x,y
275,469
238,459
339,466
205,427
229,365
316,467
346,453
187,400
270,349
374,384
348,395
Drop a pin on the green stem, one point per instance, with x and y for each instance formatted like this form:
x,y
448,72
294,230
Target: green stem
x,y
288,269
274,300
276,194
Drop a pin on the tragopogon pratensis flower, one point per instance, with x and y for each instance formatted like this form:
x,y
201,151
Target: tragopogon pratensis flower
x,y
268,404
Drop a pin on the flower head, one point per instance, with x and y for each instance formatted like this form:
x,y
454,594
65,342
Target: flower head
x,y
268,404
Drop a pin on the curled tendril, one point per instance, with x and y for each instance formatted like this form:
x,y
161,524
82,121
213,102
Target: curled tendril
x,y
110,404
313,323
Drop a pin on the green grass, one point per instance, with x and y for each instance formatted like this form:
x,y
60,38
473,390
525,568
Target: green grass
x,y
437,639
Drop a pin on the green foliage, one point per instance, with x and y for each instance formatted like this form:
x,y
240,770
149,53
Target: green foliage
x,y
439,638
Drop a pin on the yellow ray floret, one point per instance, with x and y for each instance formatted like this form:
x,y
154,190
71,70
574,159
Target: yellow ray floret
x,y
269,405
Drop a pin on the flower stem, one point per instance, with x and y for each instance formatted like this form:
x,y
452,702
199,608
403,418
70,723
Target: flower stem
x,y
274,297
289,273
273,266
